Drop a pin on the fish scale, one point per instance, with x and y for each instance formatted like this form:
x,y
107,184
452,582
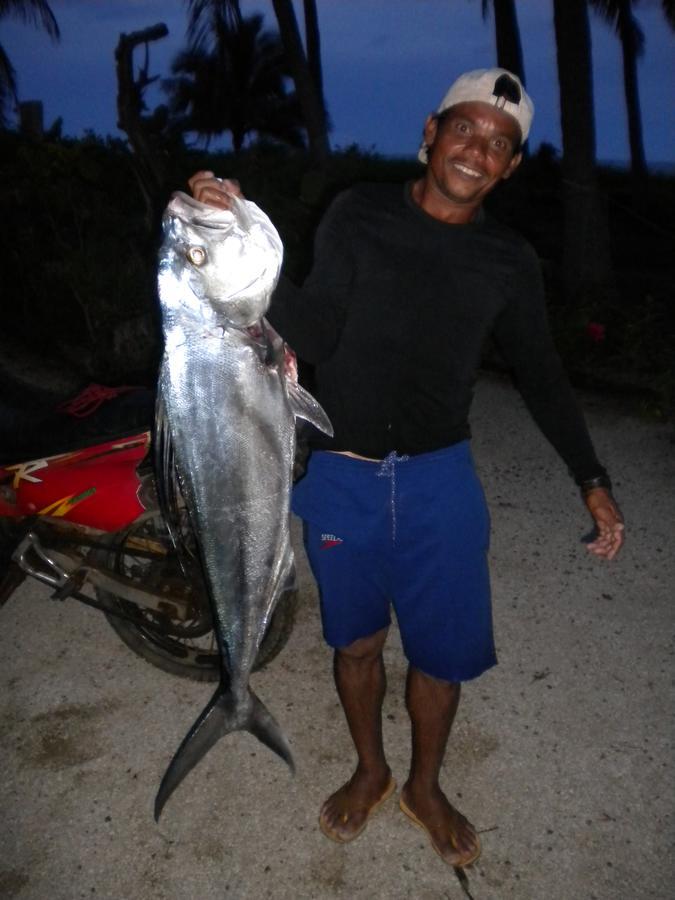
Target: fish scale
x,y
231,413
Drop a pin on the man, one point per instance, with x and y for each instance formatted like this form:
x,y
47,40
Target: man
x,y
407,283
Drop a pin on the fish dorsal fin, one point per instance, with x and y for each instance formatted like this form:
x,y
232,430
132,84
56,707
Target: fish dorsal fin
x,y
304,406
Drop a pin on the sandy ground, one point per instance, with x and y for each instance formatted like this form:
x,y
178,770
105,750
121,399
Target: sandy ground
x,y
562,755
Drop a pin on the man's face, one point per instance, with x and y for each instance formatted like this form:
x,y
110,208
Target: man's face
x,y
472,147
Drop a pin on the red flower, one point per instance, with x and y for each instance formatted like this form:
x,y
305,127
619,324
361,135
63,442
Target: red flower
x,y
596,332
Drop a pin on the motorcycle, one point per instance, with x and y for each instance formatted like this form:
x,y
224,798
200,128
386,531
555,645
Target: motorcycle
x,y
79,513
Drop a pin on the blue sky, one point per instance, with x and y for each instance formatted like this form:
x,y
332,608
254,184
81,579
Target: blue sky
x,y
387,63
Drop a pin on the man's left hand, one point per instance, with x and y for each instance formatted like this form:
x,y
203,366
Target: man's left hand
x,y
608,521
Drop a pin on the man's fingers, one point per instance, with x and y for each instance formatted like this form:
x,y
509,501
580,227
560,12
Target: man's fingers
x,y
609,541
203,175
213,191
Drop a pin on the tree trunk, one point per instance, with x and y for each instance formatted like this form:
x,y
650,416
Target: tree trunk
x,y
629,46
586,263
509,50
310,103
147,165
313,42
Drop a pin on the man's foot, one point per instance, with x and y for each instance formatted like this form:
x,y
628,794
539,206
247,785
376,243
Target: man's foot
x,y
452,836
346,812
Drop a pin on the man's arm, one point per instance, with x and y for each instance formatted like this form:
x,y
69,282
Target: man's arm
x,y
524,337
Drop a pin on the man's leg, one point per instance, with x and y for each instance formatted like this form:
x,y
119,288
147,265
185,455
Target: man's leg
x,y
361,685
432,705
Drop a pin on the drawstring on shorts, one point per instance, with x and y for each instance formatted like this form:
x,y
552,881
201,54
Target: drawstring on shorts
x,y
387,469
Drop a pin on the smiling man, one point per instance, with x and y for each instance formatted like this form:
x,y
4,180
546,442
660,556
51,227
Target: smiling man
x,y
407,284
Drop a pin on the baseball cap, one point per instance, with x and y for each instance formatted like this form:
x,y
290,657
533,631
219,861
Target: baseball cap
x,y
499,88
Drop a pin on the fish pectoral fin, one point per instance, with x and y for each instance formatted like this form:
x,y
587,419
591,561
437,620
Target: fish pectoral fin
x,y
304,406
222,715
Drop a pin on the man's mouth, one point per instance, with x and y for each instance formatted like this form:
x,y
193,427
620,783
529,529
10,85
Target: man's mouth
x,y
467,170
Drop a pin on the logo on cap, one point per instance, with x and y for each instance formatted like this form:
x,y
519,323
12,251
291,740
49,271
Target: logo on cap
x,y
507,89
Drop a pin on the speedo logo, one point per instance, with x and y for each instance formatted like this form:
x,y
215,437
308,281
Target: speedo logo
x,y
329,540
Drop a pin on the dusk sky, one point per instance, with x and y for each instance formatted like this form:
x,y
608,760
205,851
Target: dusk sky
x,y
387,63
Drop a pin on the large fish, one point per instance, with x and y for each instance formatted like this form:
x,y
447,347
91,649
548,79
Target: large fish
x,y
229,408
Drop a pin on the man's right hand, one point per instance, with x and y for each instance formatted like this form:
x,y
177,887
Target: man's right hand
x,y
214,191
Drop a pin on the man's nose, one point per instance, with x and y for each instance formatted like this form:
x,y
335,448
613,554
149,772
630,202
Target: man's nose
x,y
477,144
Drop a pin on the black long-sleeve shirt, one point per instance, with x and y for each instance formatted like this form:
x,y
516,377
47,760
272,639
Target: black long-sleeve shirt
x,y
394,315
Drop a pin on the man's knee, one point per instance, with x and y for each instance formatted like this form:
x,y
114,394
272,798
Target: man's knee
x,y
366,648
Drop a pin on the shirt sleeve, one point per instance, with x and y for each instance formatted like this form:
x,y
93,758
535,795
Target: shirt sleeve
x,y
310,318
523,335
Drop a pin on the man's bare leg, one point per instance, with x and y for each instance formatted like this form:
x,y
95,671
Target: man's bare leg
x,y
361,685
432,705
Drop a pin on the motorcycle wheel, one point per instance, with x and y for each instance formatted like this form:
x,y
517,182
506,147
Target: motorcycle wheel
x,y
185,648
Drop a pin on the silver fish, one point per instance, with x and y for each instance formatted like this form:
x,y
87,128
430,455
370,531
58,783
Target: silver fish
x,y
231,415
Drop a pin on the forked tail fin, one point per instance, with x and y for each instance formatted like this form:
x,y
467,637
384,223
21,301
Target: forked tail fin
x,y
221,716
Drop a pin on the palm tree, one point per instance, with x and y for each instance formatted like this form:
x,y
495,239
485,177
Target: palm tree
x,y
208,19
586,262
306,88
32,12
238,86
619,13
313,43
507,32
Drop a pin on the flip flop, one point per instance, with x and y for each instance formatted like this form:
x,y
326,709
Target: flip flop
x,y
336,836
457,865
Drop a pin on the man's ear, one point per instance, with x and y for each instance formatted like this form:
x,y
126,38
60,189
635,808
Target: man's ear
x,y
430,129
513,165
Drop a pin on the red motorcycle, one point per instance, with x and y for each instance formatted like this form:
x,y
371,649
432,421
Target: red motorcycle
x,y
86,521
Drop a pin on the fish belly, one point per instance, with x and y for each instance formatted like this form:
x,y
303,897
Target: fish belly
x,y
234,439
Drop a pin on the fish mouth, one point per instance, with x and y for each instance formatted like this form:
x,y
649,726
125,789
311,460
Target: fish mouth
x,y
193,212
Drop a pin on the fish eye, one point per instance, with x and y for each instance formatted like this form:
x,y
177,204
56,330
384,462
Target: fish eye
x,y
196,255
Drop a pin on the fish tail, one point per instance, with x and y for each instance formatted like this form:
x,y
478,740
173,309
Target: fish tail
x,y
221,716
265,727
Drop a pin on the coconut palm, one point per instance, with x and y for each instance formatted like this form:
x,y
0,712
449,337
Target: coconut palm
x,y
208,19
507,32
586,261
309,93
237,86
313,43
619,13
32,12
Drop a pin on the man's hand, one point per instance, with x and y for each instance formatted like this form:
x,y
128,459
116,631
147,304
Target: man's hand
x,y
214,191
608,521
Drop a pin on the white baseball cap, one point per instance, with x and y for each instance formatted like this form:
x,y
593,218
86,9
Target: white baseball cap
x,y
499,88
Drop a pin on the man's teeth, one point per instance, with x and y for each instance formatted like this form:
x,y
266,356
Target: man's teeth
x,y
467,171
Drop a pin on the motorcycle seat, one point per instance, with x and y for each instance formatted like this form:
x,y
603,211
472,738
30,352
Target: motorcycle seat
x,y
34,426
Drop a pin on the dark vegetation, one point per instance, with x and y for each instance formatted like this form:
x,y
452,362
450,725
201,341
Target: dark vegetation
x,y
81,219
78,257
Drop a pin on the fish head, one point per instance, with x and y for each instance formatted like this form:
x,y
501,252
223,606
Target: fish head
x,y
219,266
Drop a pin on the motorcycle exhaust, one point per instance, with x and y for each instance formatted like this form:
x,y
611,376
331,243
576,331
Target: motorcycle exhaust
x,y
67,574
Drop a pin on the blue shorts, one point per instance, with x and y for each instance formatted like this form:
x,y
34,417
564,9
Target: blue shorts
x,y
412,532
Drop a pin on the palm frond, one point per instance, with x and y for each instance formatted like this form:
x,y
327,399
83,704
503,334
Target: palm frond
x,y
32,12
209,18
7,87
669,11
620,16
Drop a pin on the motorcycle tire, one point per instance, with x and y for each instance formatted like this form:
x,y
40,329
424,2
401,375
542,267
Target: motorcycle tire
x,y
187,649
